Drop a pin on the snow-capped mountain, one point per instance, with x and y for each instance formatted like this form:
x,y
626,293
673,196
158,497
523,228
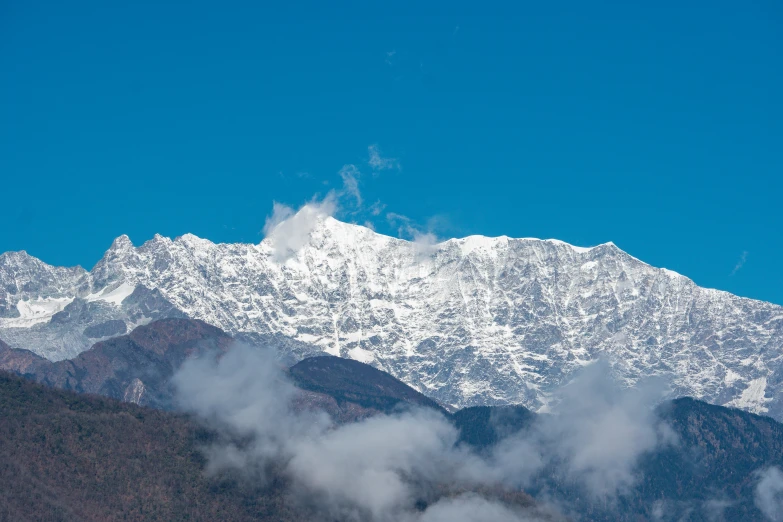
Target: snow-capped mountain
x,y
468,321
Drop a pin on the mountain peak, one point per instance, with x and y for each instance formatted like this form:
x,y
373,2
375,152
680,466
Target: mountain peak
x,y
467,244
17,257
194,241
29,267
121,243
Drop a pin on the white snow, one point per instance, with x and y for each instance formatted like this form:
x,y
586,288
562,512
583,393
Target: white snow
x,y
468,245
731,377
361,355
482,320
590,265
307,338
36,311
577,249
753,398
114,296
671,273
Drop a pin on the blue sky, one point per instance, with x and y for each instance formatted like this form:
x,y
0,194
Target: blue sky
x,y
658,127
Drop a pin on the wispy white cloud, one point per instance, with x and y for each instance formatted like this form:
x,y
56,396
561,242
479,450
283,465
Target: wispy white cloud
x,y
350,176
424,240
394,218
377,207
288,228
377,162
740,263
404,224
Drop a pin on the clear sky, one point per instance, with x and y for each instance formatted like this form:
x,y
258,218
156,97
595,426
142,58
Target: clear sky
x,y
657,127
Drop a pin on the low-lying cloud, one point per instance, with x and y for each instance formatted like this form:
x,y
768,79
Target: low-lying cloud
x,y
472,508
387,467
769,493
601,430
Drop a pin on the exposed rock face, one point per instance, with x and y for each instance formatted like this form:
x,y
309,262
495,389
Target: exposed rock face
x,y
111,328
469,321
134,392
59,324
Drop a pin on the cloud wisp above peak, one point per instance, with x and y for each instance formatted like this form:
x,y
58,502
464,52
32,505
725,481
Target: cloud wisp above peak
x,y
377,162
377,208
287,229
424,240
743,258
350,176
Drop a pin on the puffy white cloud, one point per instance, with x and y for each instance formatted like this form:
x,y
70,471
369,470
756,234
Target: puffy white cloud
x,y
374,463
600,430
287,231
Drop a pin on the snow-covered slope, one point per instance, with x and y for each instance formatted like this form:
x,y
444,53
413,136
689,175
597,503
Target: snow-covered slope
x,y
468,321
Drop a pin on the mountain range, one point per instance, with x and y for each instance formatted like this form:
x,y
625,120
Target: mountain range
x,y
65,456
471,321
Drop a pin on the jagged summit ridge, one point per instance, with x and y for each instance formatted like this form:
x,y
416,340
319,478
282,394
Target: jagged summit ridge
x,y
467,321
